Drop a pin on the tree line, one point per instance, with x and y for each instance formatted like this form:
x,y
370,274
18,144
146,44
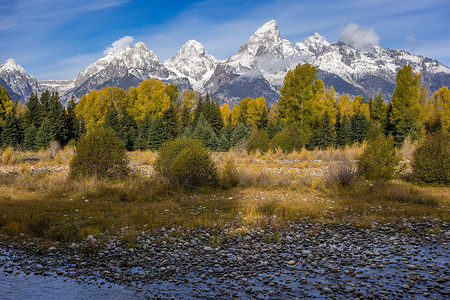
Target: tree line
x,y
307,114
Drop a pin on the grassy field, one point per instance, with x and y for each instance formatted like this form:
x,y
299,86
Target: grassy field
x,y
38,200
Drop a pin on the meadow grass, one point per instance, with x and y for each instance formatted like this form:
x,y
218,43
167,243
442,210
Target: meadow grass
x,y
271,190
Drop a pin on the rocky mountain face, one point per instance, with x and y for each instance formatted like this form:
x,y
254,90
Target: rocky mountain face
x,y
258,69
17,81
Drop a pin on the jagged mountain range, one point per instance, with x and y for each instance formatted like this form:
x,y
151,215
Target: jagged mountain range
x,y
258,69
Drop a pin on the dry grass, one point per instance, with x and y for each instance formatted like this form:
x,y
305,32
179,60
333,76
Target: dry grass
x,y
272,189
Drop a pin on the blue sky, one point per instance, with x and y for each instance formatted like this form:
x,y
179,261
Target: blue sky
x,y
58,39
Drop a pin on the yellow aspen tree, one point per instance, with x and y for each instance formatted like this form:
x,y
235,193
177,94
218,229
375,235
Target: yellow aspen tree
x,y
225,113
359,106
152,95
235,115
345,105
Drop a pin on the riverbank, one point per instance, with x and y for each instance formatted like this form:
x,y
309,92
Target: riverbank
x,y
306,259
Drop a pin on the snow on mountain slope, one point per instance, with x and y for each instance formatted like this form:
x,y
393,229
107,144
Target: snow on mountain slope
x,y
193,62
18,82
258,69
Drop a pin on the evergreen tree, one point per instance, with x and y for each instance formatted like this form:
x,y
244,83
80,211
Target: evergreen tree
x,y
185,119
44,135
223,144
29,142
239,134
71,119
378,109
57,120
227,131
213,142
11,131
338,126
359,127
203,131
170,121
44,101
325,136
32,114
127,130
187,132
112,120
345,132
197,111
274,127
156,134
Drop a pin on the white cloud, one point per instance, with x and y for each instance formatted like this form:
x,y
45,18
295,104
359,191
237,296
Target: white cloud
x,y
413,42
119,44
359,38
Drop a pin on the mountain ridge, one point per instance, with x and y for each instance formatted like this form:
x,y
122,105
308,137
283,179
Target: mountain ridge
x,y
257,69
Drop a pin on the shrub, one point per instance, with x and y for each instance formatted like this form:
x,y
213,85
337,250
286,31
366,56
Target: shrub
x,y
379,159
431,160
230,175
100,153
288,140
186,163
259,140
341,172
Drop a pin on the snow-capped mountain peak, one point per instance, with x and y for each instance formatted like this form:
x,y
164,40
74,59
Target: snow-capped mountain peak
x,y
17,81
193,62
11,65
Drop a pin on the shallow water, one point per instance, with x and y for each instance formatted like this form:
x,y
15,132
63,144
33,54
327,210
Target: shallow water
x,y
285,283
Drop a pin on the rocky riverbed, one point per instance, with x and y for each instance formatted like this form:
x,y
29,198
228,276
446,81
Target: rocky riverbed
x,y
303,260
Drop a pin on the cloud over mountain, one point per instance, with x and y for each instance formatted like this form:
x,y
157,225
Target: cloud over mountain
x,y
359,38
119,44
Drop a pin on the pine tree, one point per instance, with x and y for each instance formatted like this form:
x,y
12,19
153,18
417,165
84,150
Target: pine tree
x,y
44,135
32,114
185,119
359,127
71,119
197,111
127,130
239,134
338,126
227,131
170,121
112,120
57,120
325,136
345,132
156,134
11,131
223,144
213,142
29,142
203,131
44,101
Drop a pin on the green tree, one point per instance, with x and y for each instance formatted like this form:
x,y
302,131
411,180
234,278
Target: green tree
x,y
325,137
405,108
288,140
258,140
44,135
378,109
11,131
224,144
431,160
29,141
44,101
57,120
203,131
127,130
71,120
239,134
32,114
170,121
359,127
379,159
298,95
156,134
